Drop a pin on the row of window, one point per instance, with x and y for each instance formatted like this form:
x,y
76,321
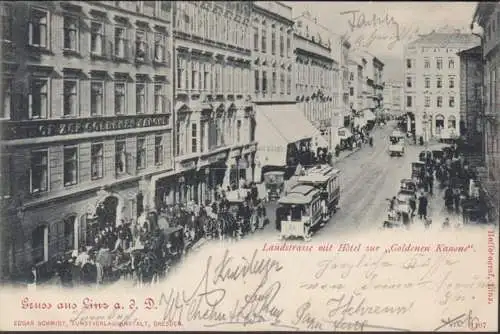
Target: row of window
x,y
316,75
410,100
212,77
39,172
40,97
202,137
261,44
410,82
104,39
261,83
205,23
317,112
150,8
411,63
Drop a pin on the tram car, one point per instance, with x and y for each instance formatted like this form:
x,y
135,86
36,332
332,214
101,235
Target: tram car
x,y
327,180
299,212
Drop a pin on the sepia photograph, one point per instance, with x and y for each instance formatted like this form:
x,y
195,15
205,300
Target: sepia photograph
x,y
249,166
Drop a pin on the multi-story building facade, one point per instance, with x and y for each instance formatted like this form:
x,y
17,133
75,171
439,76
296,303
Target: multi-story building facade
x,y
432,77
378,86
214,124
393,98
487,16
355,84
316,74
274,90
86,120
471,80
345,47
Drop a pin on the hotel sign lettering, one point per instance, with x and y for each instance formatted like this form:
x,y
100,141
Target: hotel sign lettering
x,y
59,127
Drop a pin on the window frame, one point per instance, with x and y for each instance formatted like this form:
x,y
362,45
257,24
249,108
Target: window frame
x,y
32,80
76,162
124,96
123,38
76,95
31,27
7,91
76,29
92,156
102,35
160,94
141,152
194,139
124,142
103,94
34,191
159,155
144,103
439,101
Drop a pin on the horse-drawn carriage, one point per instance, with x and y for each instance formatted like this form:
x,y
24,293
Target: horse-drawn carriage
x,y
275,183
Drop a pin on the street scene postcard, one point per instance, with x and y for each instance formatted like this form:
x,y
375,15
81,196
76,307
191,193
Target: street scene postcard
x,y
249,166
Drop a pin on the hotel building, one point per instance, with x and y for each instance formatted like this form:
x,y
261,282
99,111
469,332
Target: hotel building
x,y
86,120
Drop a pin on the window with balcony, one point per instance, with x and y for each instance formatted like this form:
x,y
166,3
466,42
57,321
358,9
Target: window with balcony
x,y
141,45
427,101
40,244
7,101
38,98
70,97
439,63
96,98
273,42
427,63
451,81
408,82
409,101
263,48
158,150
439,83
38,28
451,63
140,97
194,138
6,21
141,153
120,42
97,161
39,171
70,165
439,101
257,81
71,33
120,157
96,38
451,101
264,81
120,98
159,98
427,82
255,39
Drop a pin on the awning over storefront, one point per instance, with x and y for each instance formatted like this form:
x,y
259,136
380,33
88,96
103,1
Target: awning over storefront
x,y
344,133
277,126
369,115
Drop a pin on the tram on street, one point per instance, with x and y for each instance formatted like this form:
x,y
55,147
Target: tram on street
x,y
327,180
396,144
299,212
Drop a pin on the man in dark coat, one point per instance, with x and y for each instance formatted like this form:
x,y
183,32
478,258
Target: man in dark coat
x,y
422,206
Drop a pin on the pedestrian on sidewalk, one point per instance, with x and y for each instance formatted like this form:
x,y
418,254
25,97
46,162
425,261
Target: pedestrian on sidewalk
x,y
422,206
456,199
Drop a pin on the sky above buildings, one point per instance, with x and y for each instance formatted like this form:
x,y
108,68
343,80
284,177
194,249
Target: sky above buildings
x,y
383,28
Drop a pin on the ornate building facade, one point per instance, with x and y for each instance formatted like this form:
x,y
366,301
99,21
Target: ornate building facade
x,y
86,120
316,75
214,124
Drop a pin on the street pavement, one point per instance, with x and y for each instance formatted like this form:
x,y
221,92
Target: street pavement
x,y
369,178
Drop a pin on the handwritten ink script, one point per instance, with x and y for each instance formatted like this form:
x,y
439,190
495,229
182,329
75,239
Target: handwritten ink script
x,y
345,286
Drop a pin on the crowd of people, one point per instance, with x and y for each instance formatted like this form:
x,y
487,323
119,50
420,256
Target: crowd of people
x,y
108,253
459,182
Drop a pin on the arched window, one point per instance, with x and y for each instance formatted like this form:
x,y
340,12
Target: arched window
x,y
452,122
439,121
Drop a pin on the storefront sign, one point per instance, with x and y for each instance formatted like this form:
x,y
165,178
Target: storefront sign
x,y
188,164
250,148
59,127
